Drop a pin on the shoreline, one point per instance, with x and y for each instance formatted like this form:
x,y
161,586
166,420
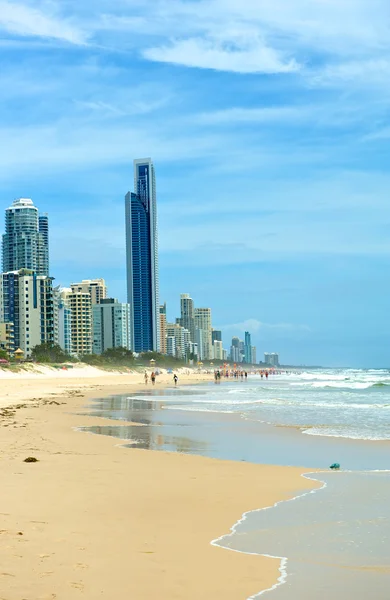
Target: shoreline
x,y
283,560
161,501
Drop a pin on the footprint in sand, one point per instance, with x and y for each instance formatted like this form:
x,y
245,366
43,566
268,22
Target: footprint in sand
x,y
77,585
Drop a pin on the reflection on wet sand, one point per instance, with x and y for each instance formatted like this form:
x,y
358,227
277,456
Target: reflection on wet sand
x,y
151,438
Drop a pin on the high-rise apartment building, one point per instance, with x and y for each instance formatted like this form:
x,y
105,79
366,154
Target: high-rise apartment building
x,y
180,335
204,340
171,345
235,350
62,319
248,348
27,303
142,258
271,359
26,238
80,305
216,335
95,287
163,328
218,350
111,325
187,314
254,356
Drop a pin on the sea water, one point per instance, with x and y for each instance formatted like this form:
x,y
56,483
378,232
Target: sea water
x,y
349,403
330,543
333,543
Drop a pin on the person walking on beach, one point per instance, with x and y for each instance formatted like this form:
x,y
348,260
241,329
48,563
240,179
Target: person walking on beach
x,y
175,378
146,378
153,378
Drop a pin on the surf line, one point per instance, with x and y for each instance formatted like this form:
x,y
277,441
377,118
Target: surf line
x,y
283,559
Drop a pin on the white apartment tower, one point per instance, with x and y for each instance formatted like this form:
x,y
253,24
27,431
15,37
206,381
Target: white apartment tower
x,y
111,325
95,287
80,305
204,339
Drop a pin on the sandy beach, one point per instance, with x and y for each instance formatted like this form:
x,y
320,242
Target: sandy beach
x,y
94,520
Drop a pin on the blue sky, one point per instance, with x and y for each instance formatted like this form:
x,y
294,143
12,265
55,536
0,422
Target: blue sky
x,y
269,124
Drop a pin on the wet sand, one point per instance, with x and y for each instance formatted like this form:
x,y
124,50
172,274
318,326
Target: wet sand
x,y
94,520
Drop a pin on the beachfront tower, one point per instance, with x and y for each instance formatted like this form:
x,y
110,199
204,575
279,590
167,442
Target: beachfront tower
x,y
187,314
248,348
26,238
204,336
96,288
163,328
142,259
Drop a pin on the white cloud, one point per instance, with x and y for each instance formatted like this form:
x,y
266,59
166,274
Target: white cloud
x,y
252,57
24,20
264,114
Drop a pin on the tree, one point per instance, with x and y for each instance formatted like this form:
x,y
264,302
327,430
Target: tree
x,y
49,353
111,356
4,355
118,355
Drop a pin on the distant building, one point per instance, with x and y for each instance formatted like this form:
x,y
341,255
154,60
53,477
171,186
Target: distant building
x,y
95,287
142,258
200,334
248,348
111,325
80,304
26,238
203,324
216,335
62,318
254,357
218,350
237,350
163,328
27,302
178,333
187,314
171,345
271,359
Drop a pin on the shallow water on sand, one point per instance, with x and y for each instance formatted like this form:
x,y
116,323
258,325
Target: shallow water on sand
x,y
334,542
336,539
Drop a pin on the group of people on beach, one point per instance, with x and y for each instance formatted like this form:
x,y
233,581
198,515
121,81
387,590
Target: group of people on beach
x,y
236,374
153,378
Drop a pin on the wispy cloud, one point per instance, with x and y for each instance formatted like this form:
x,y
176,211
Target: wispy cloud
x,y
252,56
24,20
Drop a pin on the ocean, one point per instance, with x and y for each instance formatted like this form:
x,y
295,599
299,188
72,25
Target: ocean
x,y
334,542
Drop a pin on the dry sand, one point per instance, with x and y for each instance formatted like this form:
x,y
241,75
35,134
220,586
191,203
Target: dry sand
x,y
93,520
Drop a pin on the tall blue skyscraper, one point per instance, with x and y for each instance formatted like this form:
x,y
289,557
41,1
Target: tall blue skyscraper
x,y
142,258
26,238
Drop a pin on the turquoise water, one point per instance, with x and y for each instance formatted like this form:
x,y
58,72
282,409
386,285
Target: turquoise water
x,y
351,404
331,543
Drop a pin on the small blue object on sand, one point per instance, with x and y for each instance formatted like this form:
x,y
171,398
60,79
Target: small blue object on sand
x,y
335,466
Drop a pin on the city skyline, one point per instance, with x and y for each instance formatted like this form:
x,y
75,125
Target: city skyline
x,y
81,319
268,127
